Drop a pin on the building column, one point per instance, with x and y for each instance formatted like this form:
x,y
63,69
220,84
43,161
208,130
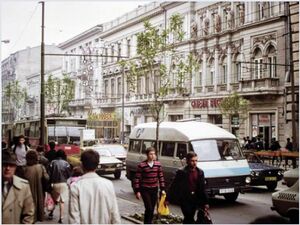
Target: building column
x,y
204,69
229,69
216,69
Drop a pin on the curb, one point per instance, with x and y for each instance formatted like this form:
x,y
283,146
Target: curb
x,y
131,219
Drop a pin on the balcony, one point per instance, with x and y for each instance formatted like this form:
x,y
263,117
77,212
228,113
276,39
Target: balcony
x,y
84,102
260,86
108,102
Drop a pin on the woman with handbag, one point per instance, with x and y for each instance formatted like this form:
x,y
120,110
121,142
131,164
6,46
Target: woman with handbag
x,y
36,175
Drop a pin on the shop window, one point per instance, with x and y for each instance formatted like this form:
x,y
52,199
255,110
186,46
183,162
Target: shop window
x,y
175,117
215,119
168,149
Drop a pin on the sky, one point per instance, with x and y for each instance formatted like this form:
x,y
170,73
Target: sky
x,y
21,20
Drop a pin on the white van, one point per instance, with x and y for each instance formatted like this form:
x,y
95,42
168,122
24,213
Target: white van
x,y
220,157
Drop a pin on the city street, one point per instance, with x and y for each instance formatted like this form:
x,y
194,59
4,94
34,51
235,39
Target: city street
x,y
251,207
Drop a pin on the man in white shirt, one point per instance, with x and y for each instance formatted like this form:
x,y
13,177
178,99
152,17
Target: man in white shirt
x,y
92,198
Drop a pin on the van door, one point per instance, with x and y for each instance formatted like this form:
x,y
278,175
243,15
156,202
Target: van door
x,y
167,159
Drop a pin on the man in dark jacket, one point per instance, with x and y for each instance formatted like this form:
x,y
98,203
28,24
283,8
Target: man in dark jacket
x,y
51,154
188,189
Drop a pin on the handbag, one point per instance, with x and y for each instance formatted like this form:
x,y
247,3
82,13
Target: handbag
x,y
46,184
49,203
203,217
163,209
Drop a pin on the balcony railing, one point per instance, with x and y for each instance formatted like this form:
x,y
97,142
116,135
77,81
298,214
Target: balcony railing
x,y
262,84
81,102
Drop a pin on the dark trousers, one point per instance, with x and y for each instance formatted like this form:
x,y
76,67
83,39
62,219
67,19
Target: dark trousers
x,y
189,207
149,196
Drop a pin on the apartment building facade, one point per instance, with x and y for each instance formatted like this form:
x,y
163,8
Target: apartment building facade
x,y
240,47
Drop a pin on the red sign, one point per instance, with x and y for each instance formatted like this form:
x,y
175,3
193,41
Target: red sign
x,y
205,103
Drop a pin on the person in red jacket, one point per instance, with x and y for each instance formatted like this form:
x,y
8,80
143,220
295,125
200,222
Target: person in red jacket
x,y
149,176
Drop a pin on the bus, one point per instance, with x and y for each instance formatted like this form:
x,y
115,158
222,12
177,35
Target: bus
x,y
65,131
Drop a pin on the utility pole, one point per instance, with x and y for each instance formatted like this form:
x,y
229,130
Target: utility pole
x,y
122,128
291,63
42,100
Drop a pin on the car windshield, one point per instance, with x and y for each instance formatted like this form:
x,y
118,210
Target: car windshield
x,y
116,150
103,152
252,158
209,150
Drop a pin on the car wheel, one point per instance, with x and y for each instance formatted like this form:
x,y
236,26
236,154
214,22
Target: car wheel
x,y
294,216
117,174
272,186
231,197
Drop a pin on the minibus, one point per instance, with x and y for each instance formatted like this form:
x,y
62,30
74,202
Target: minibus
x,y
226,170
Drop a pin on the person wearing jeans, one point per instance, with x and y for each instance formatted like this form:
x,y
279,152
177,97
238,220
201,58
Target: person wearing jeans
x,y
149,176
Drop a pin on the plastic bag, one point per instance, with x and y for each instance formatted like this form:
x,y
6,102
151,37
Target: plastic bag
x,y
49,202
162,208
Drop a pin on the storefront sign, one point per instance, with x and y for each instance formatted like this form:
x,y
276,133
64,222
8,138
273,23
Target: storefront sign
x,y
101,116
264,119
206,103
87,134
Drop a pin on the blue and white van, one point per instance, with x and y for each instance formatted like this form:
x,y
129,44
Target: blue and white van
x,y
226,170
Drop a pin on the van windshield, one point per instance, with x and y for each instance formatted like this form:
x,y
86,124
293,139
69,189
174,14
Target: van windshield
x,y
209,150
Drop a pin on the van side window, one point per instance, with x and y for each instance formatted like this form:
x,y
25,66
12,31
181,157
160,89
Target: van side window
x,y
147,144
168,149
135,146
181,150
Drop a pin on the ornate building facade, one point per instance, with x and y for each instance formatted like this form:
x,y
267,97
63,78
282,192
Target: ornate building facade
x,y
240,46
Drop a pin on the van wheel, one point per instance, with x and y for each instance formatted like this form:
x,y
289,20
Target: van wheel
x,y
117,174
272,186
231,197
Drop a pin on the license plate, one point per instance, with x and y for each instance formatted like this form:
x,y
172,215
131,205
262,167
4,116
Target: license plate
x,y
270,178
110,169
226,190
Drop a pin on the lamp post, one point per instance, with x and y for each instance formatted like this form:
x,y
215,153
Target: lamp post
x,y
42,100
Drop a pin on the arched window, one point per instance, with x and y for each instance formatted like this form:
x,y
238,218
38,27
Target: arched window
x,y
258,66
211,71
223,75
237,68
272,60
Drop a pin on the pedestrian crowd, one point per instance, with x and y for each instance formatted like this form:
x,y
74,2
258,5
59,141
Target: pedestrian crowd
x,y
35,179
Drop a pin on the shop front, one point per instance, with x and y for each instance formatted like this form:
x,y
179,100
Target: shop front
x,y
106,125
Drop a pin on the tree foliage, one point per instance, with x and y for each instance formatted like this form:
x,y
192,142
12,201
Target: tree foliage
x,y
158,60
16,97
235,105
59,93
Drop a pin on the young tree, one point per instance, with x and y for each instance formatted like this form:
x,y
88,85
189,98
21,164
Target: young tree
x,y
16,97
235,105
157,59
59,93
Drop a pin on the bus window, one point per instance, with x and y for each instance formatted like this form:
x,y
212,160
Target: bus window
x,y
168,149
181,150
32,130
135,146
147,144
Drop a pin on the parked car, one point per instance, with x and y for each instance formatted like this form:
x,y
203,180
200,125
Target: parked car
x,y
108,164
117,151
286,203
261,173
290,177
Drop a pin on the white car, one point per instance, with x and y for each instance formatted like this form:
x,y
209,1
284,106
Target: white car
x,y
108,164
117,151
286,203
290,177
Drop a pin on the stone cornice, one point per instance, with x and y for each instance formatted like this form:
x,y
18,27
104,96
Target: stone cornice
x,y
82,36
140,19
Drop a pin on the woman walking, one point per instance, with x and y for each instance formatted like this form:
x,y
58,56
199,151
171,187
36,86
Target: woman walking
x,y
149,176
59,171
35,173
20,149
